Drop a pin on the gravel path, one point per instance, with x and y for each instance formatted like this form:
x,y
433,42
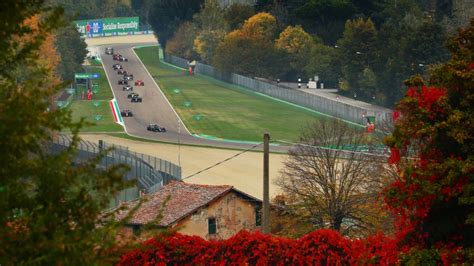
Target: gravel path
x,y
243,172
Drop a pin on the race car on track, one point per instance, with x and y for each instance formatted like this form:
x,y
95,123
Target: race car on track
x,y
122,82
126,113
139,83
128,76
119,57
122,72
117,66
109,50
136,99
155,128
127,88
133,94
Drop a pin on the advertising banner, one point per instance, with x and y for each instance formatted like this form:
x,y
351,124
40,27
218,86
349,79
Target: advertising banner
x,y
108,26
86,75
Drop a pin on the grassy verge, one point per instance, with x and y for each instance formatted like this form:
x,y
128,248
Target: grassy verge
x,y
214,108
97,112
95,62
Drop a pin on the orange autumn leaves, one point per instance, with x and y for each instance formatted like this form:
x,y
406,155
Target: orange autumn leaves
x,y
47,56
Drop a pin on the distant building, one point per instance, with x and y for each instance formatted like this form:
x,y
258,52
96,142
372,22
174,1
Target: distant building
x,y
211,212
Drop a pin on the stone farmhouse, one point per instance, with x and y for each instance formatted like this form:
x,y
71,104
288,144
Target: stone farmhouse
x,y
211,212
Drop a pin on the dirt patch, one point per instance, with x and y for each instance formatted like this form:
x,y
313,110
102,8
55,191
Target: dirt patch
x,y
243,172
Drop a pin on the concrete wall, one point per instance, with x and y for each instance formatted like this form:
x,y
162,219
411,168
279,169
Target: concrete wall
x,y
318,103
232,214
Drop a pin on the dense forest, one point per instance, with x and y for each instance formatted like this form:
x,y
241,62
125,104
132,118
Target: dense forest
x,y
366,48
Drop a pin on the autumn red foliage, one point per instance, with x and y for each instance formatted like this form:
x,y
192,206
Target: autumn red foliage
x,y
321,247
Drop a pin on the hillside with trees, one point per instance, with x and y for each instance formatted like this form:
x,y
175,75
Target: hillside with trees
x,y
366,48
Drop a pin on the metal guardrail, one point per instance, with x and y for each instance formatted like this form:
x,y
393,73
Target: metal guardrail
x,y
150,172
321,104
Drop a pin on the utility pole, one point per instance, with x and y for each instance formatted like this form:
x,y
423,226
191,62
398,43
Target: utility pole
x,y
266,184
179,142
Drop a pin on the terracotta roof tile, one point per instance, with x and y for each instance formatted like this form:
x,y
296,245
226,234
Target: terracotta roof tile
x,y
184,199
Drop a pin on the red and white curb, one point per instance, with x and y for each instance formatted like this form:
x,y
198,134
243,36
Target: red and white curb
x,y
116,112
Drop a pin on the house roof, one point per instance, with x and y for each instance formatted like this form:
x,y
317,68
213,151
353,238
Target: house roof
x,y
179,199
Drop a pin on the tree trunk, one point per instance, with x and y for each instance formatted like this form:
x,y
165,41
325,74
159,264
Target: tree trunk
x,y
336,223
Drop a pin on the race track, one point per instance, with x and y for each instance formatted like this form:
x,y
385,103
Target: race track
x,y
155,108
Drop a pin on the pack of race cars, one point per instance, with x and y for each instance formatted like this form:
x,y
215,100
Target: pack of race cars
x,y
126,78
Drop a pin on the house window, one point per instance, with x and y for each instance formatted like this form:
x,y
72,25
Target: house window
x,y
258,216
136,229
212,225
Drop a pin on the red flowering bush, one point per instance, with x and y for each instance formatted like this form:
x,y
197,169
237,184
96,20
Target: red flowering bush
x,y
256,249
377,250
175,249
321,247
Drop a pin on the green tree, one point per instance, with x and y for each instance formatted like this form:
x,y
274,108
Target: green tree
x,y
182,43
357,51
207,42
49,205
142,8
72,49
212,29
324,18
426,45
167,15
210,17
324,63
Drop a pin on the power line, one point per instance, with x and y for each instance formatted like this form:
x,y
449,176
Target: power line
x,y
332,149
223,161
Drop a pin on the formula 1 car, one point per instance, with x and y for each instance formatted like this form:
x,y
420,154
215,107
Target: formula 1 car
x,y
117,66
155,128
126,113
127,88
136,99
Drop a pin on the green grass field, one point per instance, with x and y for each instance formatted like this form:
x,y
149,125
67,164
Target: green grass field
x,y
214,108
96,111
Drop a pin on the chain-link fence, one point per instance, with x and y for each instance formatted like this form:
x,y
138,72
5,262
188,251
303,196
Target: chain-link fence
x,y
315,102
149,172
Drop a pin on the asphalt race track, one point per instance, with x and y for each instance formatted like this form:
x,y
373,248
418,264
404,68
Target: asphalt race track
x,y
155,108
